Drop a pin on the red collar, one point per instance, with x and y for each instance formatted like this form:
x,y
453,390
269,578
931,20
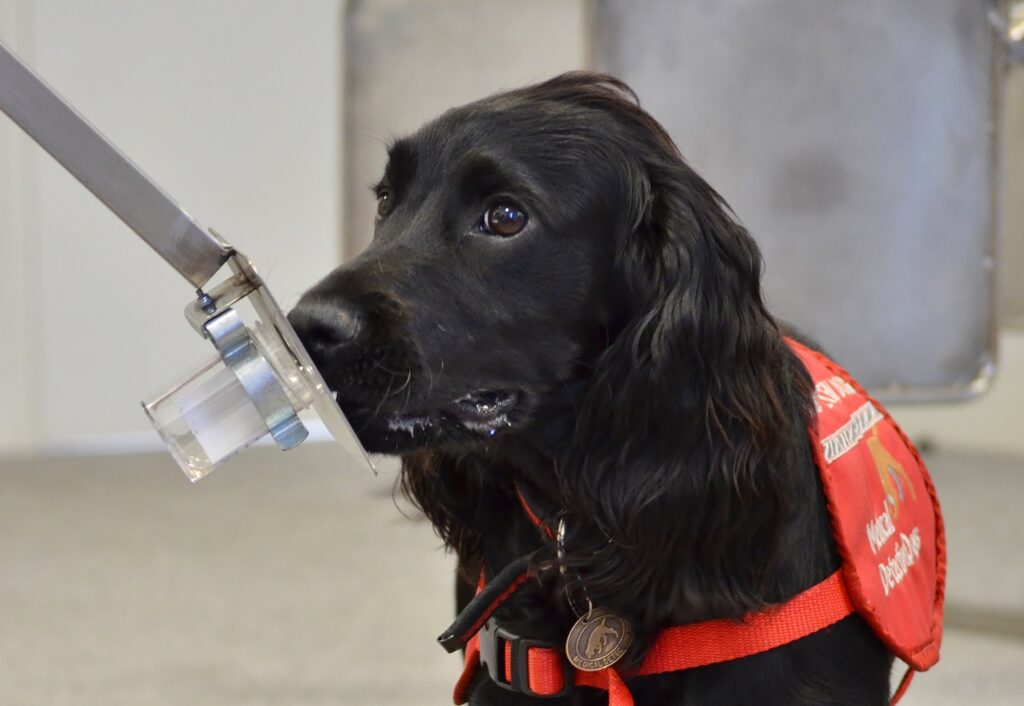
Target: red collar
x,y
541,670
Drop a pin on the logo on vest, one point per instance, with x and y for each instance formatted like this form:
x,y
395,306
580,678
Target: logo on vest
x,y
895,481
908,549
898,487
845,438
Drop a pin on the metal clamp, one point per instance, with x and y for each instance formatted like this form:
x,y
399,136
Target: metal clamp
x,y
240,353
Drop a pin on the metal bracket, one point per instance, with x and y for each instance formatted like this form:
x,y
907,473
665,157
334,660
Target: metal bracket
x,y
246,283
211,304
240,353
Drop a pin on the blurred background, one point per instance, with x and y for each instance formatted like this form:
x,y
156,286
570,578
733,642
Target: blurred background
x,y
874,149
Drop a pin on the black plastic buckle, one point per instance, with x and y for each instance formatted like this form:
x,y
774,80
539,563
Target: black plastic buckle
x,y
493,639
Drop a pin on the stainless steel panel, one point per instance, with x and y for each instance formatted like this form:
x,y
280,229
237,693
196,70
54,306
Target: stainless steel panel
x,y
406,61
857,141
1012,256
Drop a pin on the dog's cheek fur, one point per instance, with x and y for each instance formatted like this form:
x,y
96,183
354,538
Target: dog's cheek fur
x,y
688,444
688,441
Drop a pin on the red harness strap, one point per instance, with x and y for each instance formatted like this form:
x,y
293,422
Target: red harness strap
x,y
686,646
676,648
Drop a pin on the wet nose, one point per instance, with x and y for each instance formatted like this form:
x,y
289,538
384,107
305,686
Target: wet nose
x,y
327,329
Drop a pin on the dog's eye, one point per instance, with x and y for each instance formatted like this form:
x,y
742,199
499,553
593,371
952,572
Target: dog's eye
x,y
504,220
383,202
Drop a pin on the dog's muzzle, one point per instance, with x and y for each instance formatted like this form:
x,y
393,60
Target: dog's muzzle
x,y
260,381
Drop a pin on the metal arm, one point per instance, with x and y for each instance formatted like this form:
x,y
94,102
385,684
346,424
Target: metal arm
x,y
138,201
202,420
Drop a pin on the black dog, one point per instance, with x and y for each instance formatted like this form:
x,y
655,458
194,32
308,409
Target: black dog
x,y
554,303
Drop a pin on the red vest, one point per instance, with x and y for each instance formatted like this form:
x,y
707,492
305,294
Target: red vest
x,y
885,515
888,531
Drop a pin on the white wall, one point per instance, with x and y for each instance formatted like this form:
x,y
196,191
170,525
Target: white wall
x,y
233,107
18,413
989,424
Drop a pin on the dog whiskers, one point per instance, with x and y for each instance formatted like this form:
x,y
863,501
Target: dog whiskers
x,y
377,364
405,385
383,399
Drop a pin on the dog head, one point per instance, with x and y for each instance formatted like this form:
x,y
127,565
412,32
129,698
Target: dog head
x,y
545,258
490,283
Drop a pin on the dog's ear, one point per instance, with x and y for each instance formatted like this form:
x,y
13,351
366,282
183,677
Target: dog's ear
x,y
687,439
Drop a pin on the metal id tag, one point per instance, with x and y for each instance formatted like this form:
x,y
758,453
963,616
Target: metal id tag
x,y
598,640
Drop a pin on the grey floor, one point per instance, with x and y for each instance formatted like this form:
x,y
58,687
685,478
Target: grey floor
x,y
282,579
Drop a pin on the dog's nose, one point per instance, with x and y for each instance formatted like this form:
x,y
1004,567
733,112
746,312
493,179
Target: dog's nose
x,y
326,329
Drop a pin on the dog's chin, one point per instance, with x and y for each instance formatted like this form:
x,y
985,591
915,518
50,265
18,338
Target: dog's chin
x,y
478,417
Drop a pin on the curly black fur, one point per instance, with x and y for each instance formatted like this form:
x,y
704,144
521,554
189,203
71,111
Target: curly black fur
x,y
659,411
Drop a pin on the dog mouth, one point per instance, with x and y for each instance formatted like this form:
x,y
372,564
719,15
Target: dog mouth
x,y
484,412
